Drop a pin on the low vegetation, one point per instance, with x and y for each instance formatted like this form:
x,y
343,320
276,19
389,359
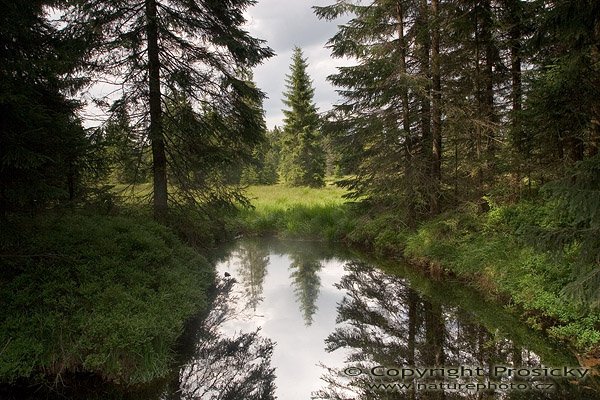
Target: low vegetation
x,y
95,293
299,212
494,252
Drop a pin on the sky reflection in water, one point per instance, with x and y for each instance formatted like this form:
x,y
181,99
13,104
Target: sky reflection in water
x,y
299,314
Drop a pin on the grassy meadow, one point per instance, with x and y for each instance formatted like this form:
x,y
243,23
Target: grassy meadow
x,y
298,212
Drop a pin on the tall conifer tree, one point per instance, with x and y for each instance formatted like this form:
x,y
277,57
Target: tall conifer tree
x,y
385,118
197,48
302,157
44,150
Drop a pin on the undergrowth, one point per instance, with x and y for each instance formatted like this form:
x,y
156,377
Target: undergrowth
x,y
94,293
494,252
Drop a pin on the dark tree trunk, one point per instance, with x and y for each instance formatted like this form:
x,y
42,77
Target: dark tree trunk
x,y
71,181
484,93
424,43
436,113
595,131
514,32
594,144
408,139
159,159
488,84
514,11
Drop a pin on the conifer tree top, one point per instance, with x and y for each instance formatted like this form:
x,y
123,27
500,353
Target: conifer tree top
x,y
302,111
303,158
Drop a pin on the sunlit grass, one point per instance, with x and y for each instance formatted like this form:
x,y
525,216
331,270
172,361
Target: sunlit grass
x,y
261,196
282,196
318,213
296,211
132,193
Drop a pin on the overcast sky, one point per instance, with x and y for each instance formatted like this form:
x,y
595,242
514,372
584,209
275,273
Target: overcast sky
x,y
285,24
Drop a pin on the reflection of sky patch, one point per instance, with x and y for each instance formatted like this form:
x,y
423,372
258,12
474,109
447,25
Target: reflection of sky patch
x,y
385,320
298,349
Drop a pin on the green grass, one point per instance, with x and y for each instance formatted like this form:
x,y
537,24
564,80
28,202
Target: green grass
x,y
271,196
316,213
284,197
93,293
132,194
296,212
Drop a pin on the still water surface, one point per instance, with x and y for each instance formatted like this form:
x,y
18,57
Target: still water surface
x,y
300,320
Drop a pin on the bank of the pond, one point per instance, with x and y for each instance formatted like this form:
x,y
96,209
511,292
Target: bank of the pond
x,y
485,250
100,294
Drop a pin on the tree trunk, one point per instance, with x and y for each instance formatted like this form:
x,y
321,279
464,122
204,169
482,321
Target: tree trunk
x,y
159,159
488,83
408,140
594,143
436,113
514,32
424,44
514,11
484,89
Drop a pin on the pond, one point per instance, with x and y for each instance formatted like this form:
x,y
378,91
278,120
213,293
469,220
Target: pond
x,y
300,320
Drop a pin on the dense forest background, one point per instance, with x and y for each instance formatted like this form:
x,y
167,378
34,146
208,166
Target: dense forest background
x,y
486,102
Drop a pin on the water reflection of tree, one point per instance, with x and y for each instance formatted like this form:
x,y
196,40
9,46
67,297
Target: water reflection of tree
x,y
382,321
306,282
253,260
225,368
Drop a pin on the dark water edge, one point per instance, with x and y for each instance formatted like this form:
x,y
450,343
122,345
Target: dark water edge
x,y
391,315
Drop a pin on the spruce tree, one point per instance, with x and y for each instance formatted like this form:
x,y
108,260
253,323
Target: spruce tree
x,y
152,48
385,118
422,91
45,154
302,154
